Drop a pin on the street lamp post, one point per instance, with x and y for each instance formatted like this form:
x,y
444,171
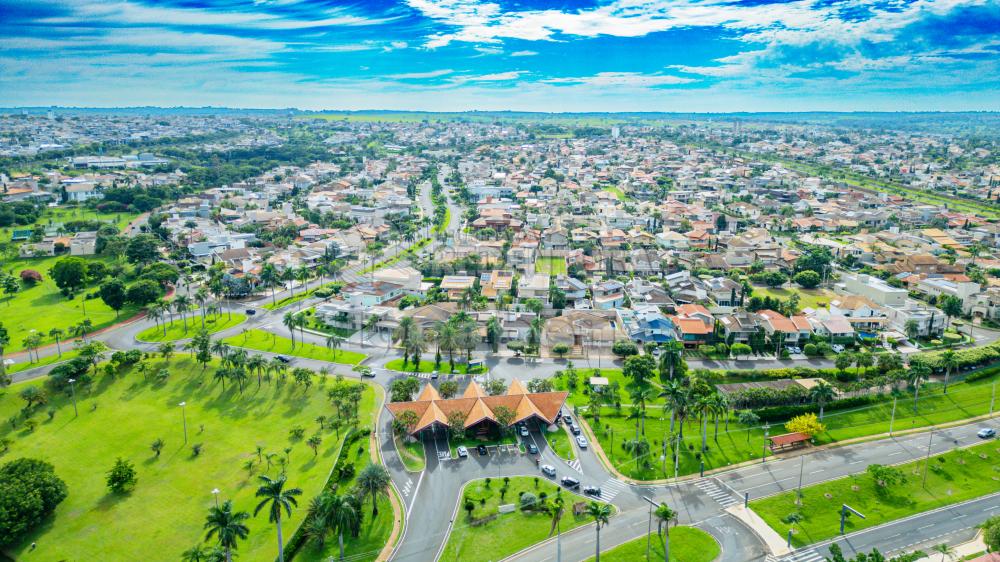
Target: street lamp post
x,y
927,459
767,430
893,418
215,492
649,528
184,419
72,391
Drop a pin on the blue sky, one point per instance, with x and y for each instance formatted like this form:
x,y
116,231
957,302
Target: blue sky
x,y
536,55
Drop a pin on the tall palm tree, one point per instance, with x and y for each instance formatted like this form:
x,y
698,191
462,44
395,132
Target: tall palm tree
x,y
341,516
641,394
703,407
269,278
291,322
949,361
664,517
182,304
821,394
919,372
447,340
402,334
257,364
289,275
720,407
276,499
670,358
57,334
303,274
333,342
228,525
414,346
673,391
601,512
201,297
373,481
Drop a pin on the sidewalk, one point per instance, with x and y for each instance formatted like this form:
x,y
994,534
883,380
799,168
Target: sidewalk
x,y
773,542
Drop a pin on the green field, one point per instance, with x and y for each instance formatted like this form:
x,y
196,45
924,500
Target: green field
x,y
510,532
808,298
954,477
618,193
551,266
67,214
175,330
559,441
687,544
42,307
122,416
300,295
736,445
272,343
428,367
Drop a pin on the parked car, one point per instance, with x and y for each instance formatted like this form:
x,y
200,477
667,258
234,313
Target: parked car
x,y
592,490
434,375
463,452
524,431
837,348
482,450
987,432
795,350
532,449
549,470
284,359
581,441
570,482
574,429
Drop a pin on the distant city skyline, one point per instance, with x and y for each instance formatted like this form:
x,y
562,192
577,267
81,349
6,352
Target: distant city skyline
x,y
530,55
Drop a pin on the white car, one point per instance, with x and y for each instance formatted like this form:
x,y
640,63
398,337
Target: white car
x,y
463,452
986,433
837,348
581,441
549,469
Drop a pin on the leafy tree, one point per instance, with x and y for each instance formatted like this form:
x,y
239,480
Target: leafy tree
x,y
70,275
504,417
805,423
560,349
740,350
886,476
991,533
122,476
142,249
402,390
405,422
448,389
143,292
30,490
950,305
114,295
807,279
624,348
157,447
495,387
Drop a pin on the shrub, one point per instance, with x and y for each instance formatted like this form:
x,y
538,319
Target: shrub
x,y
810,349
528,501
30,276
806,423
29,492
121,477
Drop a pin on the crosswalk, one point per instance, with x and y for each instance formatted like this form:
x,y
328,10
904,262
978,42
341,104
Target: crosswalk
x,y
710,487
408,487
611,488
802,556
574,464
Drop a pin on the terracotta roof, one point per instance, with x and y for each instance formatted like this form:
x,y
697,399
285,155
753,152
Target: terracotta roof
x,y
691,325
801,323
778,321
473,390
516,387
431,415
428,393
789,438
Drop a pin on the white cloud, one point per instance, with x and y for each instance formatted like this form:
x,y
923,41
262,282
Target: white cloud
x,y
417,75
494,77
524,53
629,79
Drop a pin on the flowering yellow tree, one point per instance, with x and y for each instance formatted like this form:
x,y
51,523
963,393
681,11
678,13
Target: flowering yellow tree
x,y
806,423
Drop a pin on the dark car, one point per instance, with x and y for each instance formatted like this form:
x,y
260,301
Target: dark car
x,y
592,490
532,449
482,450
251,312
570,482
284,359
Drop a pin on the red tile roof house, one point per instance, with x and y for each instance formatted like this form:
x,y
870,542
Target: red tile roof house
x,y
478,409
694,324
775,322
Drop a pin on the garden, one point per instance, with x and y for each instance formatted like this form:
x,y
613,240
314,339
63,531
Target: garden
x,y
273,343
482,533
183,435
687,544
182,328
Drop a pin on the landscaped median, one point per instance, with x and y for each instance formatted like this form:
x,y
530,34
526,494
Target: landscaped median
x,y
180,329
884,494
559,442
411,453
273,343
687,544
484,533
428,367
43,361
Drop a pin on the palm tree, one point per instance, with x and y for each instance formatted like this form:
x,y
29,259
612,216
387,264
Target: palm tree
x,y
227,525
196,553
269,278
919,372
447,340
303,274
402,334
414,346
642,393
333,342
257,364
58,334
291,322
276,499
949,361
821,394
373,481
601,512
703,407
670,358
201,297
673,391
664,517
289,275
182,304
720,407
341,516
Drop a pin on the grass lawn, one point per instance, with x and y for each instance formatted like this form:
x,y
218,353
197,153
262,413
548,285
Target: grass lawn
x,y
687,544
963,401
272,343
411,453
68,214
121,417
808,298
67,354
617,192
559,440
507,533
301,295
551,265
428,367
42,307
954,477
374,531
175,330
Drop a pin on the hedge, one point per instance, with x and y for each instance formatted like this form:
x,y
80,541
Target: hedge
x,y
785,413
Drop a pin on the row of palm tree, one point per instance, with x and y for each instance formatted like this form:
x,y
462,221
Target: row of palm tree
x,y
458,333
601,514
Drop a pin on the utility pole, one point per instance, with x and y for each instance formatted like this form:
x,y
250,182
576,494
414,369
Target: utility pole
x,y
893,418
927,459
802,465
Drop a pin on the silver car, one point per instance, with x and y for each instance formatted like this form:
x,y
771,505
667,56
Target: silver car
x,y
549,470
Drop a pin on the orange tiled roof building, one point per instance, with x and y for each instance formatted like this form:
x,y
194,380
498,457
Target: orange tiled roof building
x,y
477,407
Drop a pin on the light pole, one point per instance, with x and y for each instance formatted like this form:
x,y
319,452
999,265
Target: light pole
x,y
798,494
893,418
72,391
649,528
677,456
184,419
215,492
927,459
767,429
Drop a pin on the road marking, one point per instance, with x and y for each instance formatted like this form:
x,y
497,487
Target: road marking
x,y
611,488
769,483
710,487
